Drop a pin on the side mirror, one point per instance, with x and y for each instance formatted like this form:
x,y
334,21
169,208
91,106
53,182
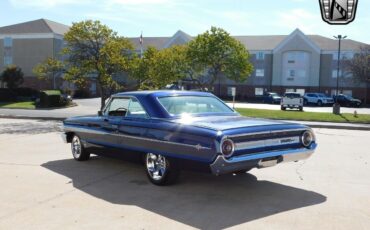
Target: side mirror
x,y
100,113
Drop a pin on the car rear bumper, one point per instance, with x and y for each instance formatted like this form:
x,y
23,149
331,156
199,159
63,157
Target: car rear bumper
x,y
261,160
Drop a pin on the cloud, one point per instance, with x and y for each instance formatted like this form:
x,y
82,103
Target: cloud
x,y
138,2
45,3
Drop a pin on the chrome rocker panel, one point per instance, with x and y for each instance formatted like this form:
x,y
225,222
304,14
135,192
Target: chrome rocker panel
x,y
261,160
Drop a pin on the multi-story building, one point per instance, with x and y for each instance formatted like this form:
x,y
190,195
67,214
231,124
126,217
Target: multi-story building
x,y
294,62
27,44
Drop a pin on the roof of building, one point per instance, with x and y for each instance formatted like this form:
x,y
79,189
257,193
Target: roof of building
x,y
36,26
252,42
263,42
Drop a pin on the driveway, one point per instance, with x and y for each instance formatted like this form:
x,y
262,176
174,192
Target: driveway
x,y
42,187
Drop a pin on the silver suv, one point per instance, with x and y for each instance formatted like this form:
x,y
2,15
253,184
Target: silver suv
x,y
318,99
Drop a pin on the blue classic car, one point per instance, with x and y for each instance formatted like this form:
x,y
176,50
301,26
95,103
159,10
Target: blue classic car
x,y
175,130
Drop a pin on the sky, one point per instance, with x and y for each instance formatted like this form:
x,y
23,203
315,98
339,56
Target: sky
x,y
165,17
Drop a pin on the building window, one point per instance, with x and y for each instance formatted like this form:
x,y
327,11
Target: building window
x,y
229,91
334,73
258,91
260,56
8,42
343,55
301,91
291,73
8,61
347,92
348,74
289,90
260,72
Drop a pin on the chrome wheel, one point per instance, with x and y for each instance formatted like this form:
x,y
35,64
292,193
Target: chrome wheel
x,y
156,165
76,147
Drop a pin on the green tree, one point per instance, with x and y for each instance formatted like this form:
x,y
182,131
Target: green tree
x,y
215,52
157,68
142,71
95,51
49,69
12,76
360,66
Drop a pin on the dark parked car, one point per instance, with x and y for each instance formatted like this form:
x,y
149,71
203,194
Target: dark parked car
x,y
272,98
174,130
346,100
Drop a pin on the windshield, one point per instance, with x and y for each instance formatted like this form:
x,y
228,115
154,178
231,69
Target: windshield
x,y
176,105
321,95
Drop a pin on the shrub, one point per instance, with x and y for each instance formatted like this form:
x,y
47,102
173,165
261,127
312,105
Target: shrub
x,y
12,76
26,92
50,98
7,95
81,93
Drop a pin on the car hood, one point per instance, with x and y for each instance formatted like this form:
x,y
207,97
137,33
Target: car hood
x,y
355,100
229,122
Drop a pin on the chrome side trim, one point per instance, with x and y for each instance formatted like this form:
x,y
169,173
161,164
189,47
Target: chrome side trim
x,y
267,142
222,165
197,147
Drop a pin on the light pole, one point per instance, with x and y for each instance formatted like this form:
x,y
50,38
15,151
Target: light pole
x,y
336,107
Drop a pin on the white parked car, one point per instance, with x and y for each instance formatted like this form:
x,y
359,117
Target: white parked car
x,y
292,101
318,99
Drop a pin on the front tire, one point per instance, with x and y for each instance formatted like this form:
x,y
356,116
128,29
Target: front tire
x,y
160,170
319,103
78,151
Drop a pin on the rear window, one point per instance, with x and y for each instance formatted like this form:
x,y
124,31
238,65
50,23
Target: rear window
x,y
292,95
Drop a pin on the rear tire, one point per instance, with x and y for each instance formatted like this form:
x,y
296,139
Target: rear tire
x,y
319,103
78,151
283,108
160,170
301,108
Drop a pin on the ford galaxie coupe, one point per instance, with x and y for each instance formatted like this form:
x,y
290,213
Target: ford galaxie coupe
x,y
174,130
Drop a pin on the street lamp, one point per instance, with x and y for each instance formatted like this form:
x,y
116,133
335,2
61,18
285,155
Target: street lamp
x,y
336,107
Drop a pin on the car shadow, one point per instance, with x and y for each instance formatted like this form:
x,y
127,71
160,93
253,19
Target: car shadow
x,y
199,200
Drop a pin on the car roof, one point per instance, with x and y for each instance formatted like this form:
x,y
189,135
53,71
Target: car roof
x,y
148,99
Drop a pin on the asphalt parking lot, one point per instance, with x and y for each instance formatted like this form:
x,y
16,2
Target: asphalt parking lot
x,y
42,187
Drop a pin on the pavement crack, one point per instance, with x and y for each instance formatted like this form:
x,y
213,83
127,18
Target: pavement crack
x,y
297,170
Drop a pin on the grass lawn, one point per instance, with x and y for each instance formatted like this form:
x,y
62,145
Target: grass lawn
x,y
18,105
304,116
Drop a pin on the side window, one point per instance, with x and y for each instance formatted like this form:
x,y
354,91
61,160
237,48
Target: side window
x,y
117,107
135,109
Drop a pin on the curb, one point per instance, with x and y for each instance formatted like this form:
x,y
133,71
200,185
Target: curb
x,y
346,127
322,126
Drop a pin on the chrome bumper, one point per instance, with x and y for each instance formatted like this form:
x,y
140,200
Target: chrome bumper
x,y
64,137
261,160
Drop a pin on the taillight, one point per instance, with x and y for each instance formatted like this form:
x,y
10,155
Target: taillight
x,y
227,147
307,138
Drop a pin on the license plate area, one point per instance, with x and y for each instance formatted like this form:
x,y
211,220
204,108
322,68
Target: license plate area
x,y
268,162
